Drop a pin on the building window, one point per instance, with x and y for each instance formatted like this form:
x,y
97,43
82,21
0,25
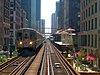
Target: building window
x,y
89,1
95,23
91,40
82,5
89,11
86,25
86,2
89,25
11,41
95,40
83,15
92,24
11,4
11,11
11,33
88,40
92,9
7,31
96,7
11,19
86,13
11,25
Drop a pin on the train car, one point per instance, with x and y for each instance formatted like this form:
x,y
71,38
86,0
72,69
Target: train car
x,y
27,40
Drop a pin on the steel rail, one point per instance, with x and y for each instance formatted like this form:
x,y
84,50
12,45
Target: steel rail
x,y
9,64
44,56
65,64
25,67
14,72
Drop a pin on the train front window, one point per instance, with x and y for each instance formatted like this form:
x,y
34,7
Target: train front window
x,y
19,36
26,36
32,35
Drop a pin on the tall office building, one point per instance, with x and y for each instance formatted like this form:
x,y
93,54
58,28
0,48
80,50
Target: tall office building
x,y
57,12
33,14
53,23
26,5
71,12
32,8
60,14
42,30
38,13
15,18
90,29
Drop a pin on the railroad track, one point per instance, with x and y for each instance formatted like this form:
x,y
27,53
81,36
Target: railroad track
x,y
56,57
15,66
8,62
36,67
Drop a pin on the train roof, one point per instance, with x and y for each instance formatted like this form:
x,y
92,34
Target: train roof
x,y
26,29
29,29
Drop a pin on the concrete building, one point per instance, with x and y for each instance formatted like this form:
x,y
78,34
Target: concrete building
x,y
6,21
53,23
1,23
89,34
15,18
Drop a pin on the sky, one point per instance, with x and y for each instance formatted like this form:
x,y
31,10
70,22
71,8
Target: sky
x,y
47,8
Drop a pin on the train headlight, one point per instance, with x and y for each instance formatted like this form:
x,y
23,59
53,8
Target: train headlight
x,y
20,43
31,42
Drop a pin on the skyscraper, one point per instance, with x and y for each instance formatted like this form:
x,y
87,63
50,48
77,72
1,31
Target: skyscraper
x,y
42,30
38,13
26,5
71,10
33,12
60,14
53,23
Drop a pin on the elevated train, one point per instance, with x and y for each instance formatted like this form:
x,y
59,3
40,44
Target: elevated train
x,y
27,40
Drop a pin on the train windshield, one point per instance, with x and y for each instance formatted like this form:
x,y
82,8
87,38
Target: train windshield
x,y
26,36
32,35
19,36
